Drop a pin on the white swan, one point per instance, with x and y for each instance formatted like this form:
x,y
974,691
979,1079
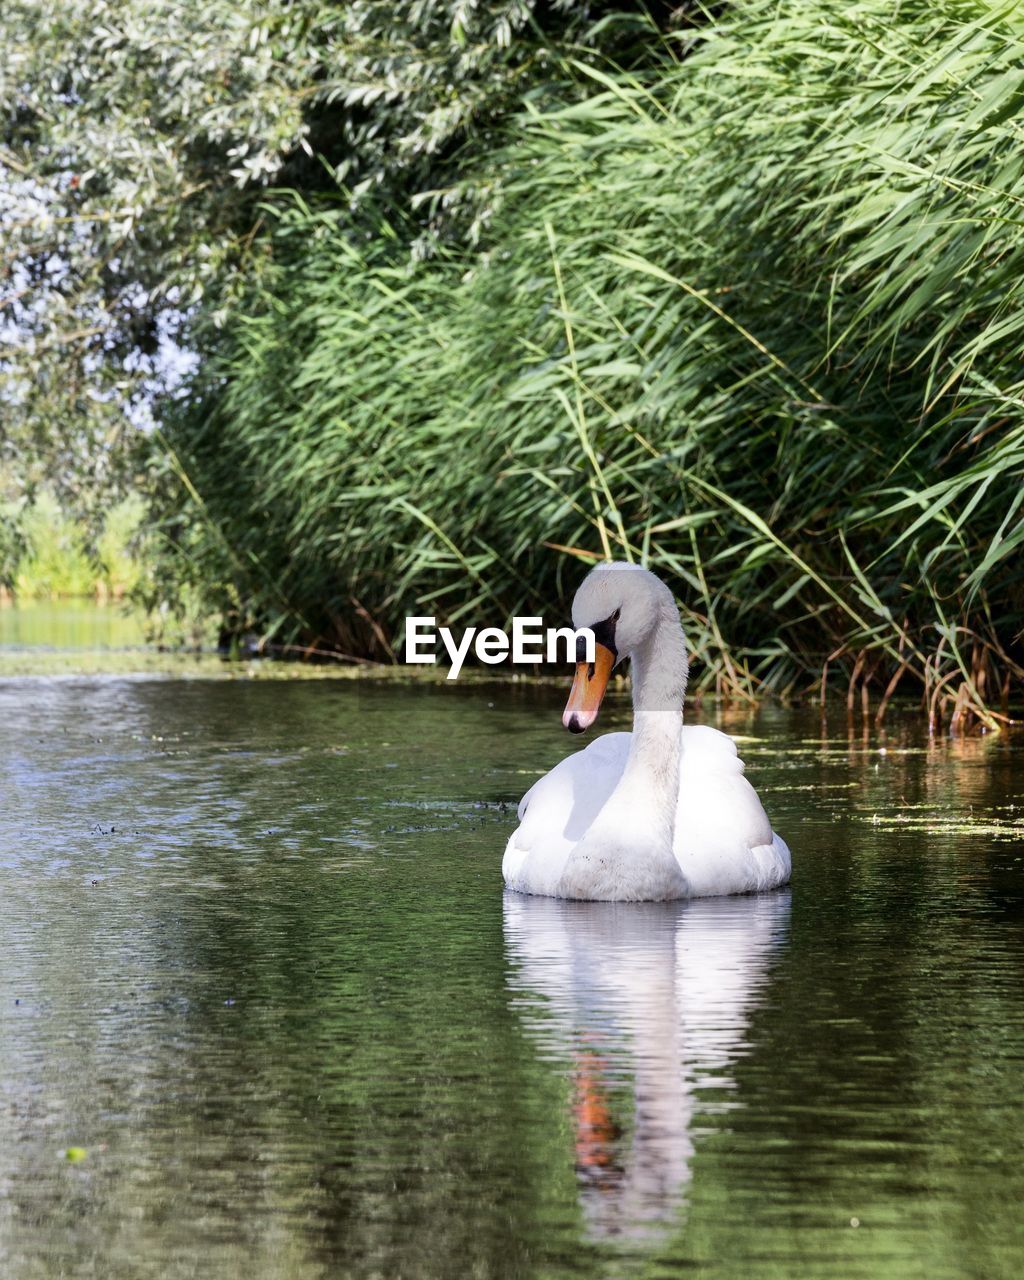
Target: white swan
x,y
663,812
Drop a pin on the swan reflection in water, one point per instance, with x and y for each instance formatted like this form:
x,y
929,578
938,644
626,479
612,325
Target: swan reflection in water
x,y
649,1002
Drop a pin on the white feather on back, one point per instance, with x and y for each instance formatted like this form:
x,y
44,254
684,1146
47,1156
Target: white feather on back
x,y
723,840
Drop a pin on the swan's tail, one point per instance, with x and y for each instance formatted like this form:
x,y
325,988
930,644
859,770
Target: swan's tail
x,y
775,865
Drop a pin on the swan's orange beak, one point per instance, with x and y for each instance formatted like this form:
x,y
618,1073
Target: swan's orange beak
x,y
588,688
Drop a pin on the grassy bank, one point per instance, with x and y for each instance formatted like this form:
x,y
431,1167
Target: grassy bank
x,y
755,319
47,552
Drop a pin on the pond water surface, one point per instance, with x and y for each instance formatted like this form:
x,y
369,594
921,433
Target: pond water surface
x,y
265,1010
70,626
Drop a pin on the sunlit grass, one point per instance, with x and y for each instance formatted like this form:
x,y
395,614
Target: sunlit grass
x,y
47,553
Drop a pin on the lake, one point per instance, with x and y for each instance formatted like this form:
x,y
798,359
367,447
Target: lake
x,y
266,1010
69,626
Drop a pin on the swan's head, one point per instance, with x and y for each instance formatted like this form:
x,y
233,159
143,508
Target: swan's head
x,y
622,604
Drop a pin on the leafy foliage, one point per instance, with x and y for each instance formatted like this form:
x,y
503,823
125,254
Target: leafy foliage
x,y
755,318
45,552
136,139
56,560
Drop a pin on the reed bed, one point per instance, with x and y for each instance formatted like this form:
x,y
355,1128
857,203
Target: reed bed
x,y
754,319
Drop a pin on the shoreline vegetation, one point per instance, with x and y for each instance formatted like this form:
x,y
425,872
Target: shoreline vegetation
x,y
47,553
753,317
51,554
738,298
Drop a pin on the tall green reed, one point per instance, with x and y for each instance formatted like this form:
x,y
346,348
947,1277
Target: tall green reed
x,y
754,320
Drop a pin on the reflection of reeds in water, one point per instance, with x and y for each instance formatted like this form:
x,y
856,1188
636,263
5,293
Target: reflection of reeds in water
x,y
645,1003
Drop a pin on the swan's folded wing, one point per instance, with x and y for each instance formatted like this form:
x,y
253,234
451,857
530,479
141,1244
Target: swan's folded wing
x,y
524,804
558,809
707,750
724,842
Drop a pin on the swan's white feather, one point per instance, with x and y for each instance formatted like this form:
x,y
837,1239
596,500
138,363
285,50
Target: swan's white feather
x,y
723,841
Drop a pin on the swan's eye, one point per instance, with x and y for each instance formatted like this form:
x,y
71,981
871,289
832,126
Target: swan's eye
x,y
615,615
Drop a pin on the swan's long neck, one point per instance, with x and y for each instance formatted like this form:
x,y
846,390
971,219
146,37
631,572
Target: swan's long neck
x,y
651,775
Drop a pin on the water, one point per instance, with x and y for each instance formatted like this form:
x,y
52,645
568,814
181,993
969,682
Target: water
x,y
70,625
255,960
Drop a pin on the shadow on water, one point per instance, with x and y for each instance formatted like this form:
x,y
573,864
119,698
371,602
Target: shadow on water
x,y
255,960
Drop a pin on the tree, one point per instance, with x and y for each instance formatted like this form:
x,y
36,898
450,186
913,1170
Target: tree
x,y
138,138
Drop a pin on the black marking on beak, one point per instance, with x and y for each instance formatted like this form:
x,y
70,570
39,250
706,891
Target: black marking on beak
x,y
604,633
